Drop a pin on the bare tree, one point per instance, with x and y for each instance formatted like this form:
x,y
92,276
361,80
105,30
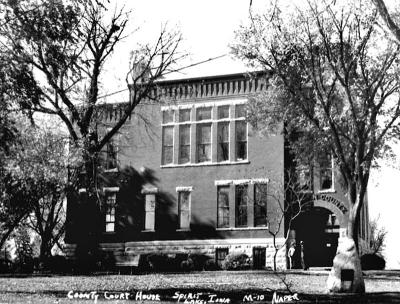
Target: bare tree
x,y
377,237
56,52
287,208
57,69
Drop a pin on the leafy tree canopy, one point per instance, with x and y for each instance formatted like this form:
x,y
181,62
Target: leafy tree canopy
x,y
34,184
334,83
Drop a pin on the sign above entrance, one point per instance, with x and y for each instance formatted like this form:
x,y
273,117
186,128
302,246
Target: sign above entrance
x,y
331,200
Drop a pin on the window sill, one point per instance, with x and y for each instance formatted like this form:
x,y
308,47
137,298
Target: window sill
x,y
205,164
109,232
242,228
148,231
183,230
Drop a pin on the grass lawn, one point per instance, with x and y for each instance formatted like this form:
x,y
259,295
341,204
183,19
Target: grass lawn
x,y
54,289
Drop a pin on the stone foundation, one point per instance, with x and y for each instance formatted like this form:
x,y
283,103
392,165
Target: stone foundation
x,y
126,254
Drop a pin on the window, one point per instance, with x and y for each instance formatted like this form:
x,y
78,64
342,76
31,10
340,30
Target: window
x,y
223,207
184,144
223,112
326,172
168,116
241,132
203,113
111,160
204,134
168,145
241,140
184,115
184,209
223,134
260,205
240,111
223,141
241,205
203,142
304,177
220,254
149,210
111,199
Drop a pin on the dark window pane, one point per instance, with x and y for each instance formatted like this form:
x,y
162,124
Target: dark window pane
x,y
168,116
241,131
111,161
223,112
220,254
223,141
326,171
241,206
184,154
184,134
168,136
203,142
184,115
240,110
168,140
326,179
223,207
241,140
110,211
304,177
260,205
184,144
167,155
203,113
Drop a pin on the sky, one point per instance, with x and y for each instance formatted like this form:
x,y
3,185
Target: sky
x,y
208,28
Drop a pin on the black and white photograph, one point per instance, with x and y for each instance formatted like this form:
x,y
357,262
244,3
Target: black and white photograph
x,y
199,152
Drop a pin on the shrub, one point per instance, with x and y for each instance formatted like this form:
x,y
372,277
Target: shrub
x,y
58,264
144,264
157,261
106,261
210,265
187,265
372,261
24,265
166,262
199,261
236,261
6,266
85,263
24,262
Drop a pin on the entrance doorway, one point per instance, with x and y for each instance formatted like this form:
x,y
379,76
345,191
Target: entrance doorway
x,y
319,230
259,257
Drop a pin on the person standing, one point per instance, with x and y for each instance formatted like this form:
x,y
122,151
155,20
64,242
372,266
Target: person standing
x,y
291,252
303,259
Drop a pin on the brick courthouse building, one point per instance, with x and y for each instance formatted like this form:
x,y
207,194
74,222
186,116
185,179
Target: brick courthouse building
x,y
200,178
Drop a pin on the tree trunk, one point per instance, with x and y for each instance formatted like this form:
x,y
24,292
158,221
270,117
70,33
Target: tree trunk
x,y
346,273
89,215
45,250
